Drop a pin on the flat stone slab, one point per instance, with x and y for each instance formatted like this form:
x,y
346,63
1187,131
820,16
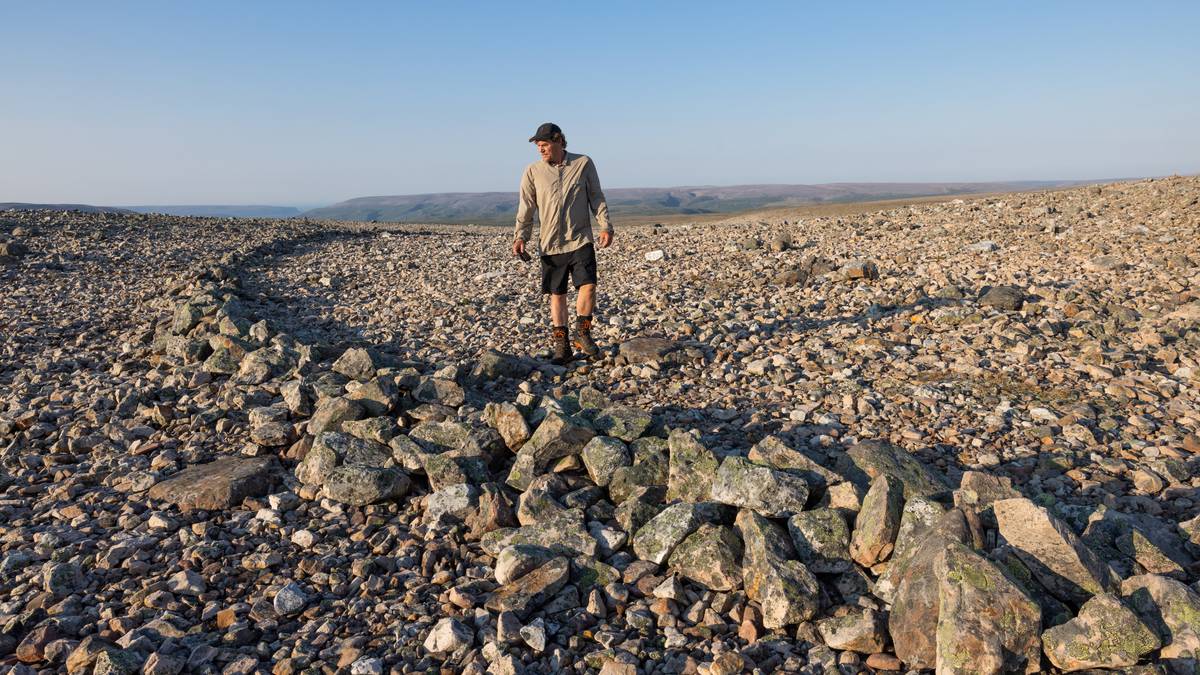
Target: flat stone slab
x,y
220,484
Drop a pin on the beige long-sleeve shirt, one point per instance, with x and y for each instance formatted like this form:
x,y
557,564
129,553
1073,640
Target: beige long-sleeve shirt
x,y
565,196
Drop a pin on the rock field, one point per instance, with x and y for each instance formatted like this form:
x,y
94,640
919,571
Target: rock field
x,y
959,436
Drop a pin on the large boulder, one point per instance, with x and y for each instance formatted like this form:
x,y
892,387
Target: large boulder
x,y
658,538
913,620
646,349
602,456
822,540
742,483
220,484
710,556
1173,611
557,436
1009,298
360,484
878,521
869,459
986,624
624,422
785,589
330,414
356,363
529,592
918,519
776,454
1106,634
1055,555
691,468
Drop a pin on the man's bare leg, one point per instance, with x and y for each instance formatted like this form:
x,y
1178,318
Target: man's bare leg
x,y
586,302
558,310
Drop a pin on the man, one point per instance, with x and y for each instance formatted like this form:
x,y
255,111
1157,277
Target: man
x,y
565,190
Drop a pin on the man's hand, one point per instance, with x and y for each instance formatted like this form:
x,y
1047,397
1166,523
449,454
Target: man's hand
x,y
519,248
604,239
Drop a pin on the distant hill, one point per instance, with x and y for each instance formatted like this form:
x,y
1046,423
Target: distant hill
x,y
501,207
85,208
220,210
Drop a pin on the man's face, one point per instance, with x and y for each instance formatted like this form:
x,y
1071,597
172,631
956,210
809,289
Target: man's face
x,y
550,151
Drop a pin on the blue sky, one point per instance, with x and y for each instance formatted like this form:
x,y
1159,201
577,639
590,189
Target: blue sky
x,y
307,103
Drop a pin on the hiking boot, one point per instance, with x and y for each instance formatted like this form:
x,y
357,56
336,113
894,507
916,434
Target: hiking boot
x,y
583,337
560,351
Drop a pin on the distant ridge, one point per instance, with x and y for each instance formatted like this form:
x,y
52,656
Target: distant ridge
x,y
220,210
83,208
501,207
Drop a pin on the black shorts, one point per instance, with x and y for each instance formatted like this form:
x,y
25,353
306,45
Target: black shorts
x,y
580,264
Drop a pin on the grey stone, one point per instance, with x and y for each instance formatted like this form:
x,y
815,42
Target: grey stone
x,y
742,483
691,469
1055,555
220,484
1106,634
360,484
658,537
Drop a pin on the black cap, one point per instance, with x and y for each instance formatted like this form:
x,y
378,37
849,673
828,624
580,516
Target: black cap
x,y
545,132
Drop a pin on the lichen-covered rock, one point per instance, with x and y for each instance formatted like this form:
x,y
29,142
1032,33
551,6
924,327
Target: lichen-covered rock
x,y
642,504
1172,610
447,636
742,483
558,535
447,469
330,414
360,484
691,470
878,521
785,589
986,624
495,511
624,422
1059,560
297,397
602,456
919,516
1106,634
375,429
557,436
913,619
356,363
408,454
518,560
532,590
507,419
439,391
1124,539
710,556
587,573
869,459
647,471
451,504
658,538
377,396
977,491
859,630
822,540
493,364
333,448
775,453
538,506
